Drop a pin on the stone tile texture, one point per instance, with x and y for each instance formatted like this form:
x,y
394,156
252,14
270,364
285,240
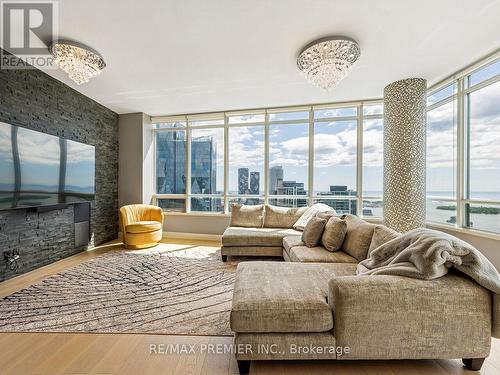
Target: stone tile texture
x,y
34,100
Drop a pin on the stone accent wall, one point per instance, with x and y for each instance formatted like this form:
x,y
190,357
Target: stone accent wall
x,y
405,121
34,100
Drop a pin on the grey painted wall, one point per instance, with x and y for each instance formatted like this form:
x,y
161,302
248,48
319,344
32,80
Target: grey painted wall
x,y
136,160
32,99
130,159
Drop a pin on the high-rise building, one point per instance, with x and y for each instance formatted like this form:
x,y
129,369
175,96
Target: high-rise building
x,y
275,174
171,162
171,167
242,180
292,188
254,182
342,206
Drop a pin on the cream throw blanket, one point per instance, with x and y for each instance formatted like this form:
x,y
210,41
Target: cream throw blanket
x,y
311,212
428,254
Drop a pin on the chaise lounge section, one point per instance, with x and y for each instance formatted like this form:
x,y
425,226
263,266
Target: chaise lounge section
x,y
315,306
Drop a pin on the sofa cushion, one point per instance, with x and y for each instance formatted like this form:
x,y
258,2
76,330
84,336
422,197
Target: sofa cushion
x,y
381,235
292,241
334,234
283,297
313,231
281,217
309,213
319,254
143,227
247,215
251,216
358,237
239,236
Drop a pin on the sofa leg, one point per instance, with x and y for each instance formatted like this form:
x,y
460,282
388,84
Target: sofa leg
x,y
243,367
473,364
224,258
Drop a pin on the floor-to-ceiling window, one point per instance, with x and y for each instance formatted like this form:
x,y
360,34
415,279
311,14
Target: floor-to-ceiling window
x,y
289,157
441,166
463,149
482,108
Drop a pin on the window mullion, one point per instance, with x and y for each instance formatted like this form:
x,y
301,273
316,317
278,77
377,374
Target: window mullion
x,y
311,158
266,158
359,160
226,164
188,169
461,154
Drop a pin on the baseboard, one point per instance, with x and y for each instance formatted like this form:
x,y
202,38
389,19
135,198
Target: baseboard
x,y
192,236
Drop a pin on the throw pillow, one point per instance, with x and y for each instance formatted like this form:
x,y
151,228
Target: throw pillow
x,y
381,235
334,234
310,213
247,216
313,231
281,217
358,237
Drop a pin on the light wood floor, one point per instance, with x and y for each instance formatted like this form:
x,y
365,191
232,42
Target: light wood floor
x,y
68,353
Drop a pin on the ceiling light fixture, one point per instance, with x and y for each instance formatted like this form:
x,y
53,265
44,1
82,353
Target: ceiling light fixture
x,y
325,62
79,61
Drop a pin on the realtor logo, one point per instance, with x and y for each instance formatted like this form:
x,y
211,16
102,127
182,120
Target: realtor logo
x,y
28,27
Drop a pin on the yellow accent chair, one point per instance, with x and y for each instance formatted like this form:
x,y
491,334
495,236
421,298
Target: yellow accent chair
x,y
141,225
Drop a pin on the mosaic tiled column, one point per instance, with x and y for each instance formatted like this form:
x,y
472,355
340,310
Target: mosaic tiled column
x,y
404,154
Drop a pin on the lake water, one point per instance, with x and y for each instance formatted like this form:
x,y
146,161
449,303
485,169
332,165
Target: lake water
x,y
486,222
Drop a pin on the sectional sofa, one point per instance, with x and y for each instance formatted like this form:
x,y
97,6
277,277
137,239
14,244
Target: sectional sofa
x,y
314,306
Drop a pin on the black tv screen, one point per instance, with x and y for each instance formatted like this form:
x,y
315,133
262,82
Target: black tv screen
x,y
37,169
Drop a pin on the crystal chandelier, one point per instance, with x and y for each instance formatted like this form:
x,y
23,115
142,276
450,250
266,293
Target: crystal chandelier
x,y
80,62
325,62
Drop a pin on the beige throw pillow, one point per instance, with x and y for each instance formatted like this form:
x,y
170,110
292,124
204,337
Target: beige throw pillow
x,y
334,233
247,216
358,237
281,217
381,235
313,231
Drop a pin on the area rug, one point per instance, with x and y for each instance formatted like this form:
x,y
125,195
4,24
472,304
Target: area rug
x,y
173,289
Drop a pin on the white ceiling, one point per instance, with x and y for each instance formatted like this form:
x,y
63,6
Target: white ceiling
x,y
171,57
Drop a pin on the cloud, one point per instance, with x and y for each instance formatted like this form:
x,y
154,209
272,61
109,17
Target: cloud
x,y
246,147
484,131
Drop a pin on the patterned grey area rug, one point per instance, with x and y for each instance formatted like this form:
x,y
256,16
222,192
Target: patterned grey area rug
x,y
171,289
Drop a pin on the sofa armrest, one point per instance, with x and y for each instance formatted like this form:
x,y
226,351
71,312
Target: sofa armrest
x,y
495,330
393,317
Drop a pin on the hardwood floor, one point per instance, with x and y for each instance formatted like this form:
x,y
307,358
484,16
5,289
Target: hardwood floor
x,y
69,353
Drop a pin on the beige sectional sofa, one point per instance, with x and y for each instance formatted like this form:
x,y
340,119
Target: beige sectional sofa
x,y
313,306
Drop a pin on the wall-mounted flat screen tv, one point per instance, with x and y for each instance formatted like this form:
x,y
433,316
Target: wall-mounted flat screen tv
x,y
37,169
